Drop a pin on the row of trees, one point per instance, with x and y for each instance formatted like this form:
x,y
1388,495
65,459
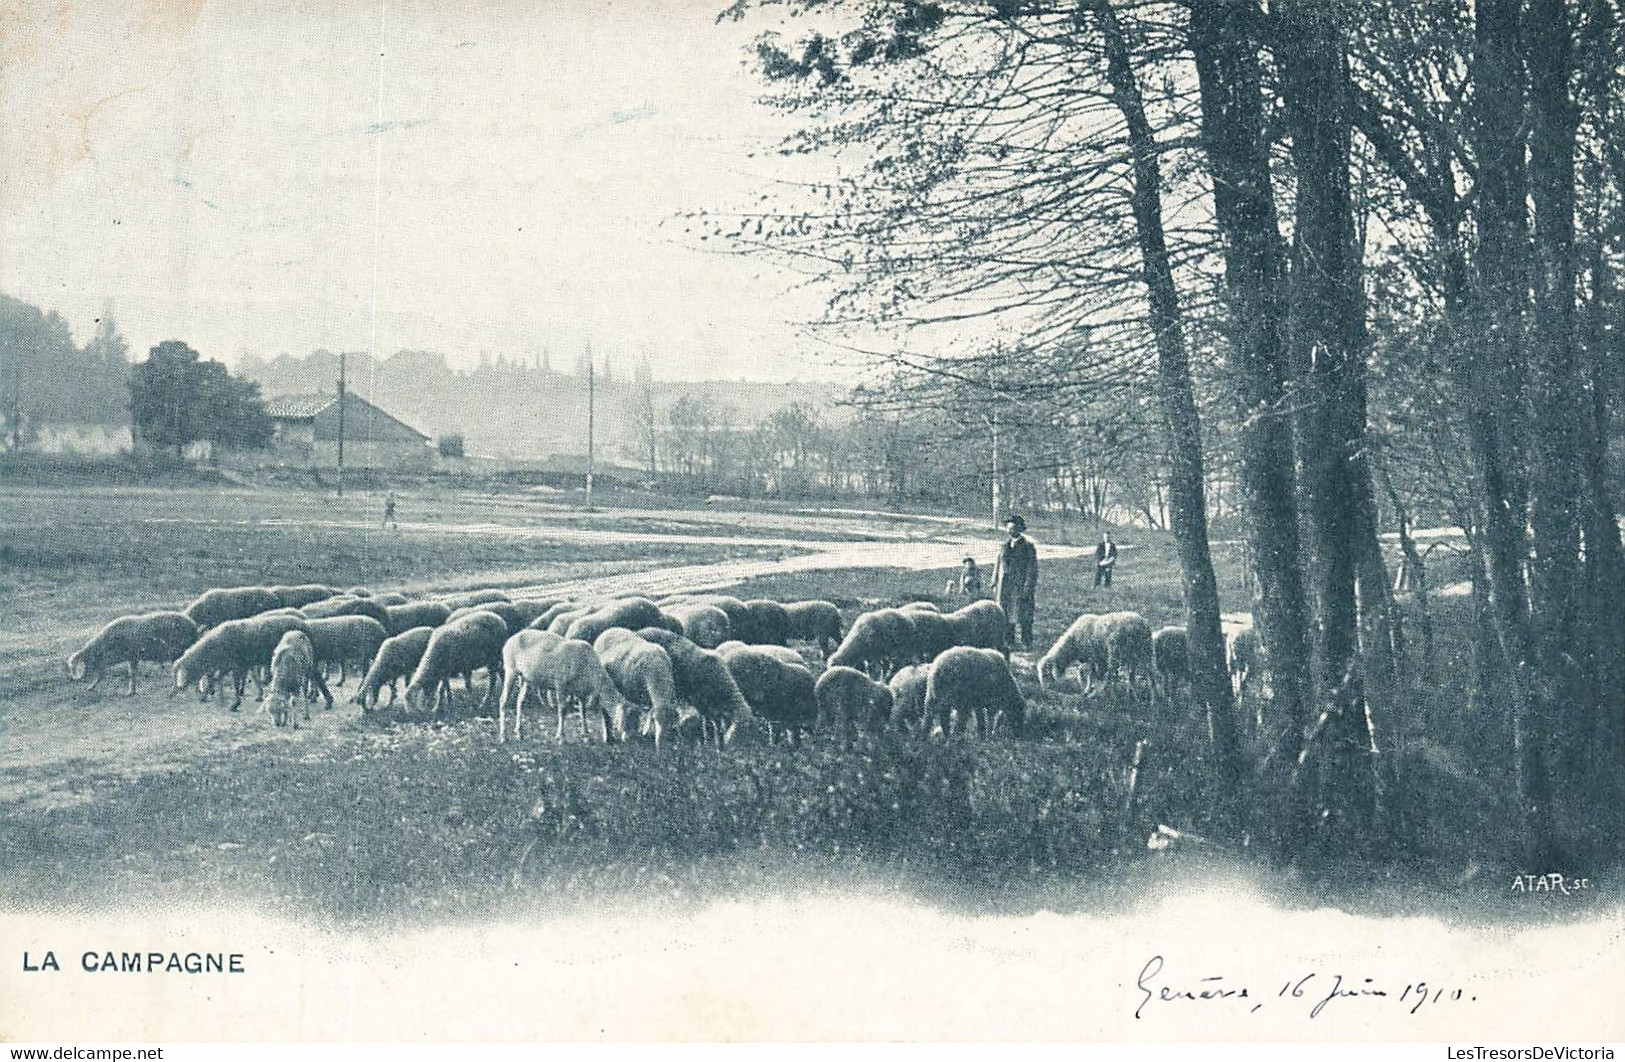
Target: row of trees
x,y
172,399
45,378
1347,245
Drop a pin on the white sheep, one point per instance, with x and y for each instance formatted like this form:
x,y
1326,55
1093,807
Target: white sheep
x,y
705,625
642,671
293,672
1081,643
562,671
160,636
396,659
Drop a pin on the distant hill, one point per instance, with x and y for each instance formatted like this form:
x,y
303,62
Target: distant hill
x,y
503,409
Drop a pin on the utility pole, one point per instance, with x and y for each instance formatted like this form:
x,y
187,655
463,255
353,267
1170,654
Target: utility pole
x,y
341,424
591,410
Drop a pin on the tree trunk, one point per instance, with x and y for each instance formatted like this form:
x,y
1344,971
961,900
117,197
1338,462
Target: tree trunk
x,y
1187,481
1326,339
1227,64
1559,407
1493,376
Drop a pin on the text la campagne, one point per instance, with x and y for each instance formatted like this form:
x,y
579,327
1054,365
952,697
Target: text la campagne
x,y
188,962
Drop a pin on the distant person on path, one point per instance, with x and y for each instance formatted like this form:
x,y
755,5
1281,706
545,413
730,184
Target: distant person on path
x,y
1015,581
970,580
1105,560
389,512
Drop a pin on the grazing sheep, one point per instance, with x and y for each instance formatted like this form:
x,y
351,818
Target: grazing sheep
x,y
629,613
564,671
1082,643
302,595
348,606
704,625
704,681
738,615
766,623
512,618
160,636
780,693
214,607
1128,645
815,621
472,597
980,624
532,607
849,701
545,619
341,639
934,633
403,618
908,688
396,659
1170,655
642,672
390,598
293,672
239,648
358,591
966,682
560,623
879,642
462,647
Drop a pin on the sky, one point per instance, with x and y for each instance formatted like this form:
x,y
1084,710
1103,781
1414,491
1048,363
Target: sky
x,y
493,177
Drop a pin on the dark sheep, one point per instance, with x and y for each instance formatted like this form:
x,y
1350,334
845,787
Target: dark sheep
x,y
302,595
704,681
879,642
344,639
403,618
214,607
779,693
473,597
815,621
348,606
849,701
463,646
766,623
966,682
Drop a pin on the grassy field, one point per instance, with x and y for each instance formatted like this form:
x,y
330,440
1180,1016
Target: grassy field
x,y
361,819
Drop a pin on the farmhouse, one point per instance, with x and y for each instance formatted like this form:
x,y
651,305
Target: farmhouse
x,y
307,433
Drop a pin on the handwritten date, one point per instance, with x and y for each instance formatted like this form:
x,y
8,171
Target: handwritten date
x,y
1315,989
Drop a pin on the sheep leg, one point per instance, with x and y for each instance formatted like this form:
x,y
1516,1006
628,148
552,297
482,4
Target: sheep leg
x,y
316,677
95,681
558,731
241,684
502,706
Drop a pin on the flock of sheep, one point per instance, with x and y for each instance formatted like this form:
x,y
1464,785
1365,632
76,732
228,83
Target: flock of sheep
x,y
701,666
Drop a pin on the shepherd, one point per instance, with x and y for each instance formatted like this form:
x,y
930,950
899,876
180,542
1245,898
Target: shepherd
x,y
1015,581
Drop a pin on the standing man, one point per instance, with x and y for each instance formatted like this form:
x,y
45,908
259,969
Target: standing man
x,y
389,512
1015,581
1105,559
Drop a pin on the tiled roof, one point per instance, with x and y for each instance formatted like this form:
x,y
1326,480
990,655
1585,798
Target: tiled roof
x,y
298,407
